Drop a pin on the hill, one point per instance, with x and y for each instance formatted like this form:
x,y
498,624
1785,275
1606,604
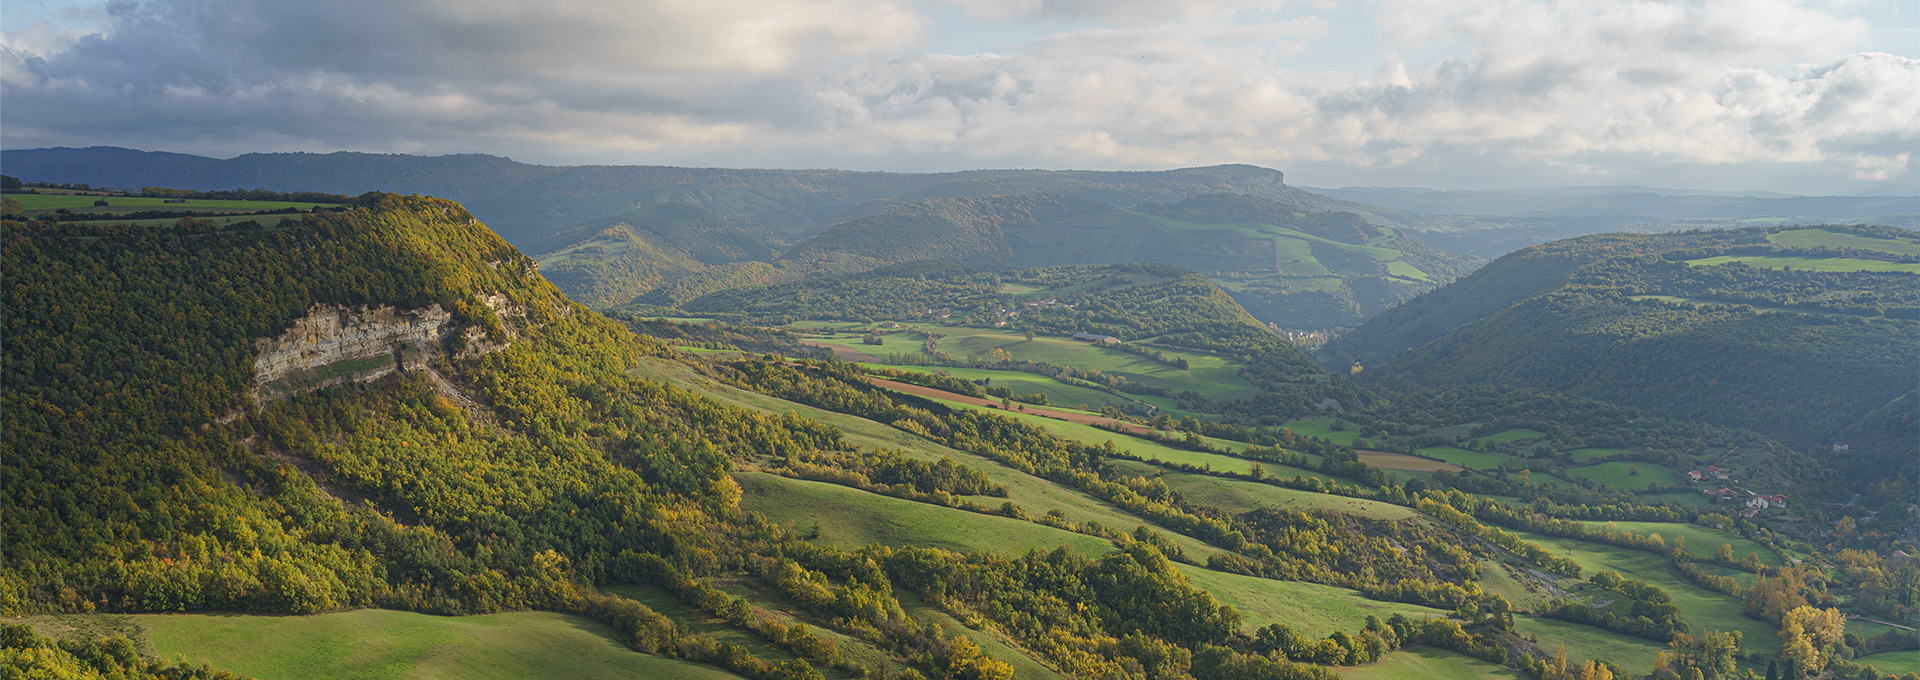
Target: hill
x,y
1292,268
527,204
1784,330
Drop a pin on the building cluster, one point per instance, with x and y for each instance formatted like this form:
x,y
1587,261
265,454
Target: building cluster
x,y
1754,504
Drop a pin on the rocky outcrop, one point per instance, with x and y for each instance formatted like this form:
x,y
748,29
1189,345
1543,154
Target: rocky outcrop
x,y
334,344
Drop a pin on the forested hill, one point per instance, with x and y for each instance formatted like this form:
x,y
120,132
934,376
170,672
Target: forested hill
x,y
529,203
1798,332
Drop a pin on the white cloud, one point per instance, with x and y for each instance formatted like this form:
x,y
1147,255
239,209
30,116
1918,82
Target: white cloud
x,y
1604,88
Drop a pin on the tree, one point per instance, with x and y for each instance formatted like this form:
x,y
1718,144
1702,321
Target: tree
x,y
1773,669
1029,335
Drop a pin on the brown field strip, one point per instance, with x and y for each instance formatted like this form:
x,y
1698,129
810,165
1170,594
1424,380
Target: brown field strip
x,y
1401,461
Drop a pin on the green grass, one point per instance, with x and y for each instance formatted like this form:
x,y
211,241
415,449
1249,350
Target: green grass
x,y
696,621
1584,455
1238,496
1320,427
1588,643
57,201
1213,376
1495,579
1024,665
1818,264
1513,435
1619,475
1059,394
1020,288
1310,608
1700,540
1427,663
1820,237
850,518
1703,609
1469,459
1407,270
1033,493
377,643
1893,663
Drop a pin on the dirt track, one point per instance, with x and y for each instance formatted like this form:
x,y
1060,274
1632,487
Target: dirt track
x,y
1401,461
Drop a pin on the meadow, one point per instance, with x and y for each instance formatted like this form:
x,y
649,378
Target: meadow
x,y
1322,427
1587,642
1703,609
850,518
1209,375
1818,264
1236,496
1310,608
378,643
1509,436
1820,237
1701,541
1624,475
118,203
1477,460
1428,663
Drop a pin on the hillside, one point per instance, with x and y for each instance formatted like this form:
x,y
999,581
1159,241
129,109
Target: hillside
x,y
527,204
1292,268
1784,330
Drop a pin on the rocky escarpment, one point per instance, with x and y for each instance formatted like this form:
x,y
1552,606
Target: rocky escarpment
x,y
335,344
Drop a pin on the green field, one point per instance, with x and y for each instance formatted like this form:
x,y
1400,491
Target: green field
x,y
1310,608
1818,264
1059,394
1893,663
1620,475
1495,579
115,203
1701,540
1423,663
696,621
1468,459
1586,642
1238,496
1321,427
1513,435
1033,493
1820,237
1584,455
1213,376
378,643
1703,609
850,518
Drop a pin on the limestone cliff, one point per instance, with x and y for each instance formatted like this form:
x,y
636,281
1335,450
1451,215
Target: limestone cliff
x,y
334,344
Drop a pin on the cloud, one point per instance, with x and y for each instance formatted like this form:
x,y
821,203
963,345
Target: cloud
x,y
1600,88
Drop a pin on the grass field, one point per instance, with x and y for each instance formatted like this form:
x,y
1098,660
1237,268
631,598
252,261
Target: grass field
x,y
1700,540
1209,375
1322,428
1033,493
1468,459
1822,237
1495,579
1893,663
1586,642
1312,609
1619,475
1584,455
1238,496
1512,435
1427,663
850,518
1024,665
1703,609
1058,393
129,203
377,643
696,621
1818,264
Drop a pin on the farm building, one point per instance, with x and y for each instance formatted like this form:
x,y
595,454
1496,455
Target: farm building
x,y
1097,339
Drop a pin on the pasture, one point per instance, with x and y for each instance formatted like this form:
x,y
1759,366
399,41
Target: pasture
x,y
1818,264
1478,460
1623,475
1701,541
1322,427
1509,436
1424,663
850,518
1703,609
116,204
378,643
1586,642
1206,374
1310,608
1237,496
1893,663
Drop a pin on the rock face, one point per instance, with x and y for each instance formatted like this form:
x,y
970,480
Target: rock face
x,y
333,344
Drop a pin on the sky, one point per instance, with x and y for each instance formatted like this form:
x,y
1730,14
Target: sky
x,y
1797,97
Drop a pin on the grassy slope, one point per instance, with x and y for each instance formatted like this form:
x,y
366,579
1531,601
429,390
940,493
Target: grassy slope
x,y
1822,237
1701,540
1478,460
1619,475
1237,496
1427,663
1585,642
1209,375
1819,264
1310,608
1320,427
851,518
1703,609
375,643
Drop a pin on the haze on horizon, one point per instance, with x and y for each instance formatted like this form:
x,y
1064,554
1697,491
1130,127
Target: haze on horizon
x,y
1779,95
